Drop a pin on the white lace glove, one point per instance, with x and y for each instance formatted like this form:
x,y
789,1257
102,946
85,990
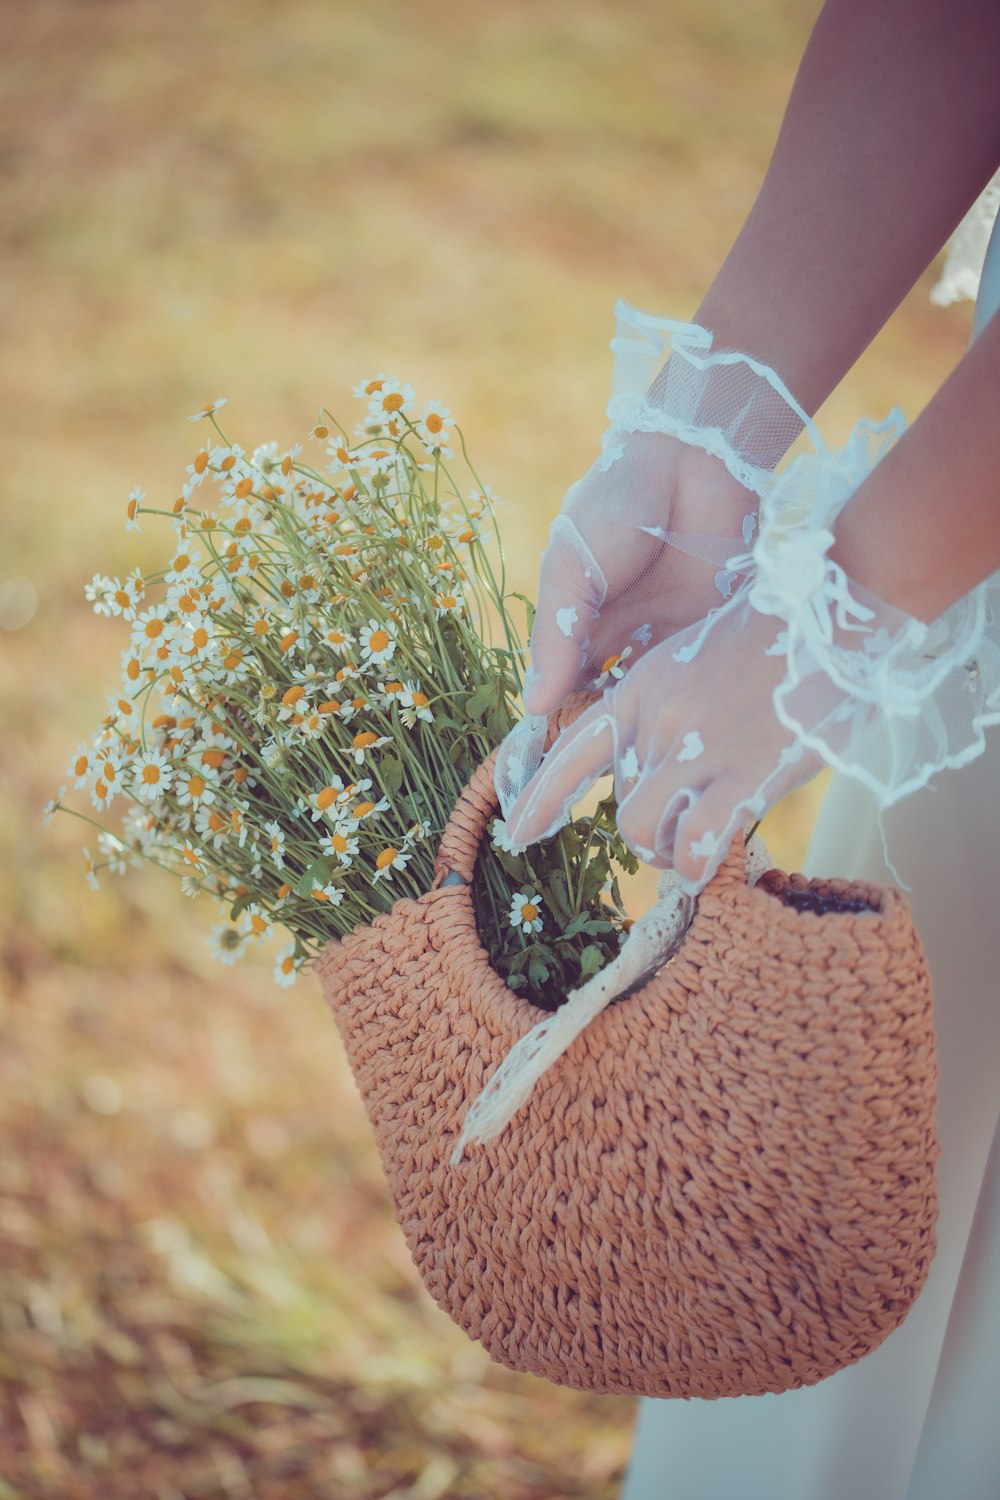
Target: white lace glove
x,y
639,549
801,667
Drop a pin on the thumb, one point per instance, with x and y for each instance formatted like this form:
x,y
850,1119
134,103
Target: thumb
x,y
571,590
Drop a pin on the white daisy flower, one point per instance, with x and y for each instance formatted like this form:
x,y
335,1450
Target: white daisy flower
x,y
136,496
319,804
276,835
613,667
51,807
328,892
432,428
448,603
367,809
227,943
338,844
364,742
100,592
88,864
208,411
524,911
414,705
392,399
152,775
377,642
114,850
387,861
194,789
369,387
286,970
81,766
254,922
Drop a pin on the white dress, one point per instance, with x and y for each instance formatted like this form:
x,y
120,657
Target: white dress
x,y
919,1418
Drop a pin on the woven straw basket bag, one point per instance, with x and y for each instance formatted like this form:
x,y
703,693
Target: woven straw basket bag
x,y
726,1186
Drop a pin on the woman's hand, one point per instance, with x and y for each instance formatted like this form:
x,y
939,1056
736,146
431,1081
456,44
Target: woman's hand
x,y
637,553
694,742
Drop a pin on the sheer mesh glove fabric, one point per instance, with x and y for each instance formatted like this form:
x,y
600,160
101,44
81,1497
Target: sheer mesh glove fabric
x,y
801,667
640,547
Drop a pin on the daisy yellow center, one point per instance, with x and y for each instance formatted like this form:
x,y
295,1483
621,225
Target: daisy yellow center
x,y
372,387
200,638
329,706
393,687
362,741
293,695
151,775
529,911
196,785
386,858
378,640
307,583
258,923
201,462
233,659
243,489
392,402
181,561
283,891
288,641
325,797
213,758
81,765
434,422
611,662
131,509
363,808
153,627
420,700
229,462
338,842
260,627
287,964
122,598
448,601
320,431
100,788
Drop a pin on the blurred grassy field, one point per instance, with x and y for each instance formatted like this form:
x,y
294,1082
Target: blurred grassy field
x,y
203,1292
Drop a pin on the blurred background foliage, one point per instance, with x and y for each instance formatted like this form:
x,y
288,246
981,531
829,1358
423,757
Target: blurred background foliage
x,y
203,1292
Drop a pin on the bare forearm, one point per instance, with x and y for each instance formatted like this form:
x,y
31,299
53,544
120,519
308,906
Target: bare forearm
x,y
925,526
891,131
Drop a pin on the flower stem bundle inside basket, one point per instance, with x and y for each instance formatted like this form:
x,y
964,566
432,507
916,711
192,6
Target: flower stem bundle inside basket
x,y
725,1186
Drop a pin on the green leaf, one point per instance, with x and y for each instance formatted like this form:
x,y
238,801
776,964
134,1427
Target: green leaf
x,y
239,906
529,608
591,960
478,702
576,924
597,925
538,970
515,981
558,897
391,771
498,722
319,870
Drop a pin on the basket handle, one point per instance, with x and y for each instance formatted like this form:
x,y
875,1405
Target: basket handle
x,y
478,802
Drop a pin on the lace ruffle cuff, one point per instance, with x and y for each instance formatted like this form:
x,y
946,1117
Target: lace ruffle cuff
x,y
878,694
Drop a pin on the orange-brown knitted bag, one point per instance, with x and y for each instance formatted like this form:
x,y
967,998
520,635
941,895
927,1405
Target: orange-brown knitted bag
x,y
726,1185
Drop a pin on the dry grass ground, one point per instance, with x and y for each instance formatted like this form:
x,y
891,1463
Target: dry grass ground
x,y
202,1290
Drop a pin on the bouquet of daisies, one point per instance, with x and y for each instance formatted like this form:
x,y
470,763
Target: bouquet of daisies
x,y
310,680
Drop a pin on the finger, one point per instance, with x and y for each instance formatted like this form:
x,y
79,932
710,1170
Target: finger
x,y
571,590
578,757
646,819
704,833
